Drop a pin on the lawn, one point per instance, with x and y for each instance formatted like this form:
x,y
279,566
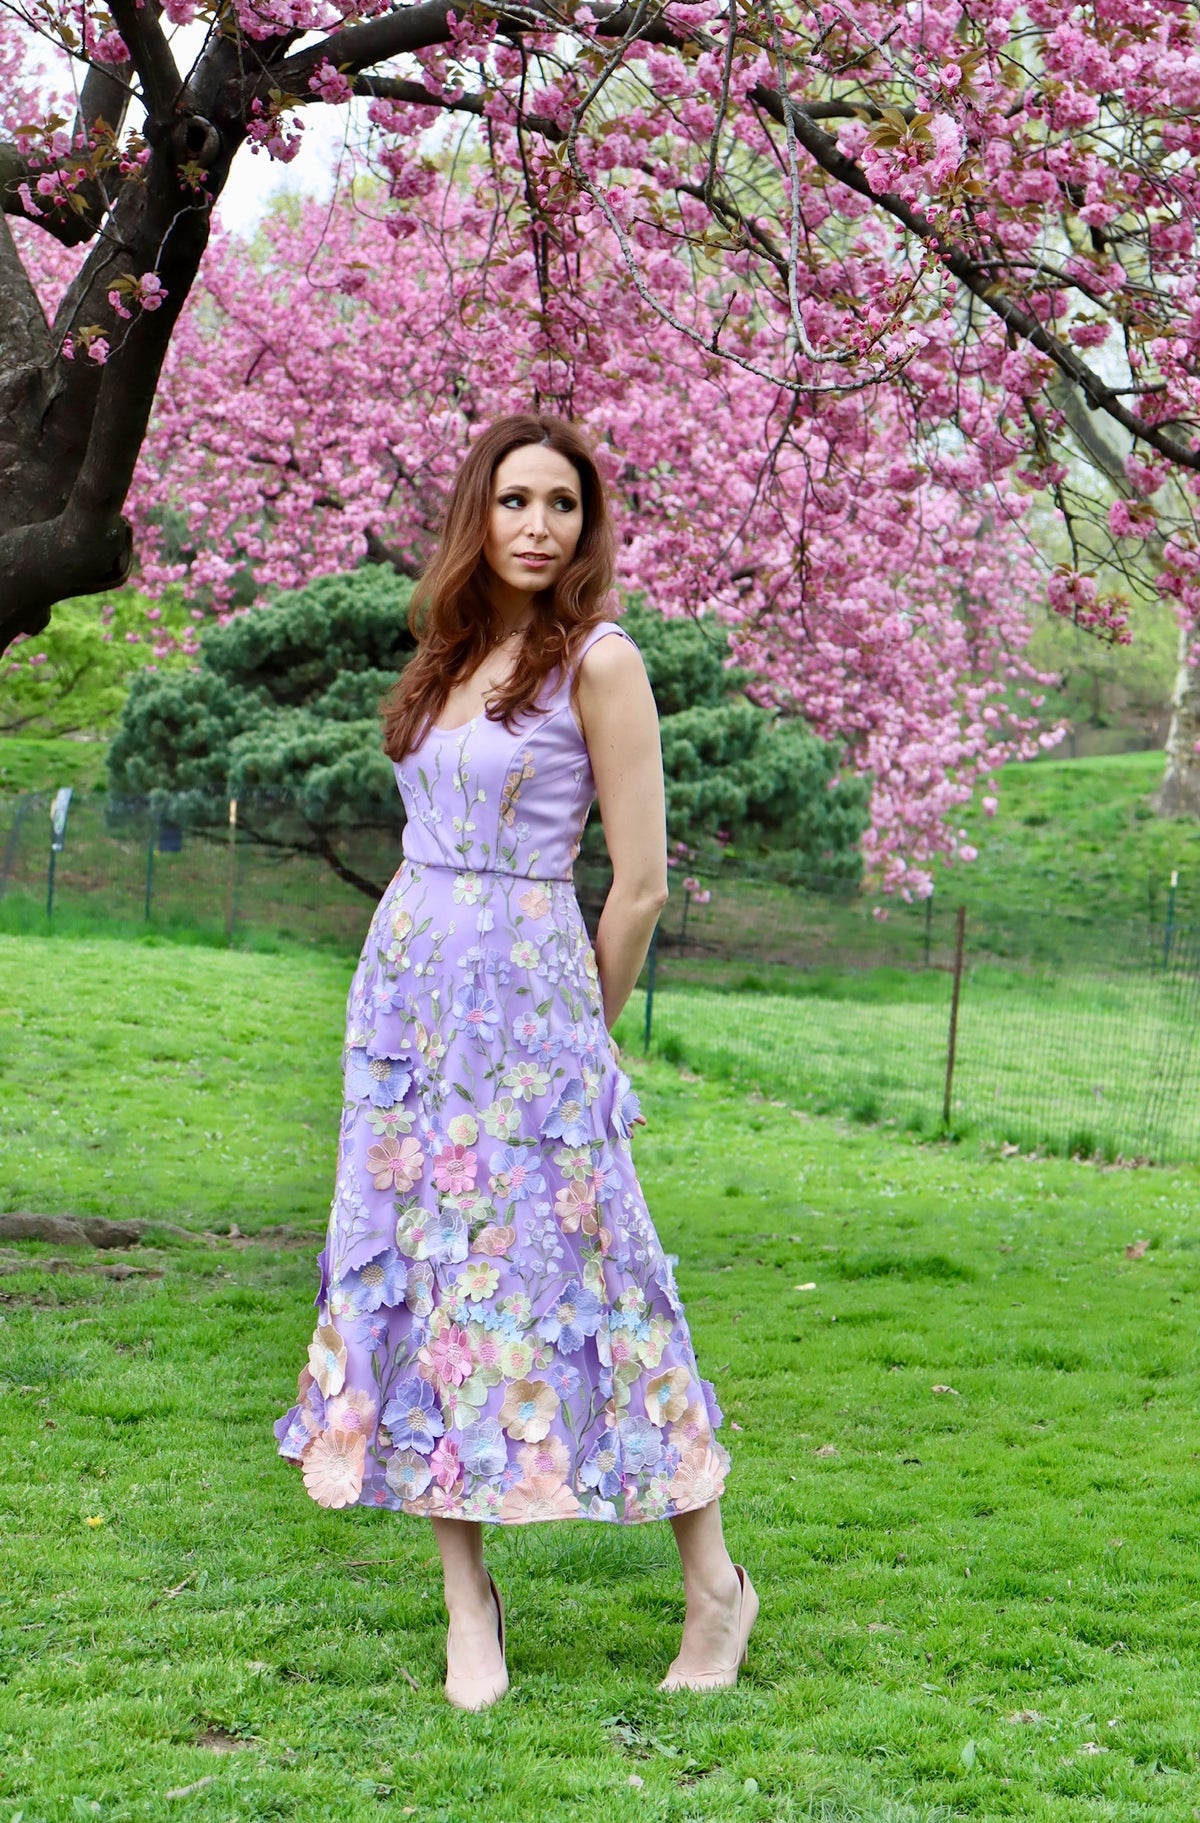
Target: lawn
x,y
1078,1059
962,1421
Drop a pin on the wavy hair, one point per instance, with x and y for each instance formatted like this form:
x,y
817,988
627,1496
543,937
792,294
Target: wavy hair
x,y
451,613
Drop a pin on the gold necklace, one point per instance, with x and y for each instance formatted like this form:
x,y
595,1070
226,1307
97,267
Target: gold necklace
x,y
512,633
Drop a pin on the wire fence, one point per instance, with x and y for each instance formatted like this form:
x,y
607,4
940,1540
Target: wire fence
x,y
1064,1032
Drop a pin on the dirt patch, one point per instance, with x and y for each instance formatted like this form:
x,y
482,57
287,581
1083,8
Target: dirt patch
x,y
219,1740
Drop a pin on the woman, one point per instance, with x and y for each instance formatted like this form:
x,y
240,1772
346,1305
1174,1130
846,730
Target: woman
x,y
500,1339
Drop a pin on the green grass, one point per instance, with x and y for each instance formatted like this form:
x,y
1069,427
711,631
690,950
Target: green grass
x,y
150,1079
934,1565
1075,1061
1080,836
31,763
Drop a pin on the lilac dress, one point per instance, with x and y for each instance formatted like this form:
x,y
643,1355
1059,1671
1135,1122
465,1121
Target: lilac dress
x,y
499,1333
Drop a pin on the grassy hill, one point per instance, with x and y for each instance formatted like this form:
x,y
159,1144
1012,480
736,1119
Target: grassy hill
x,y
28,763
1080,835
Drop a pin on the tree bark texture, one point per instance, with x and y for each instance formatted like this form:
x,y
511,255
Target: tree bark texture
x,y
1179,793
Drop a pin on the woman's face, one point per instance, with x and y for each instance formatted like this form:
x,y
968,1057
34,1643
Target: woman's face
x,y
535,521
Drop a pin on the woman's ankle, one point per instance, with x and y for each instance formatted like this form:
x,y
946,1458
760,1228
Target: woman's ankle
x,y
467,1588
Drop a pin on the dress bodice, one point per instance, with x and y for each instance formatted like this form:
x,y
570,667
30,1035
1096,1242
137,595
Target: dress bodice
x,y
484,798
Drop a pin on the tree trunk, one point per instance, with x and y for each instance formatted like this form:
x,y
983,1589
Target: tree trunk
x,y
1179,793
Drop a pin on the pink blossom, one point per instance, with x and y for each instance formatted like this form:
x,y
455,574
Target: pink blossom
x,y
454,1169
446,1358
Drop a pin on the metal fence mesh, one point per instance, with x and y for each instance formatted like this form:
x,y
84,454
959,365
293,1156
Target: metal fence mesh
x,y
1073,1033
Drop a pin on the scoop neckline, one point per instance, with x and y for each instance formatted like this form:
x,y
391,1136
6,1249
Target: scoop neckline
x,y
435,728
609,626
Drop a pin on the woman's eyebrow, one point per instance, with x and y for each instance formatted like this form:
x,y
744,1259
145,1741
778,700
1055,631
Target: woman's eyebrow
x,y
556,492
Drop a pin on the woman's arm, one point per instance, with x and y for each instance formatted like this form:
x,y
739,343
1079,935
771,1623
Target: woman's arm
x,y
620,727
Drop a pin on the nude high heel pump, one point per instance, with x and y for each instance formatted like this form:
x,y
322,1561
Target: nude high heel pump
x,y
724,1675
479,1692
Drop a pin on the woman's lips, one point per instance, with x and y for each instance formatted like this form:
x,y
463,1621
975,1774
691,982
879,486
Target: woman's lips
x,y
532,561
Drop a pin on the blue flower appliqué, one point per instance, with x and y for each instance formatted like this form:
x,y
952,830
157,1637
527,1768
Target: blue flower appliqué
x,y
383,1081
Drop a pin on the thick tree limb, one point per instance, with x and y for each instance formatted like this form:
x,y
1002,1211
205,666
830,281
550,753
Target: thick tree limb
x,y
92,420
420,28
329,854
380,551
153,58
26,330
357,47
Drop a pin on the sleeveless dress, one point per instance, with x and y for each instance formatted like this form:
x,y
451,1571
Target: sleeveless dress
x,y
499,1334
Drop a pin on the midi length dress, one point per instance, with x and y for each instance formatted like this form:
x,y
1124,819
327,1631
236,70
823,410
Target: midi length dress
x,y
499,1334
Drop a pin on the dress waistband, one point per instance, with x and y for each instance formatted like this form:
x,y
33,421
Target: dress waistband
x,y
500,873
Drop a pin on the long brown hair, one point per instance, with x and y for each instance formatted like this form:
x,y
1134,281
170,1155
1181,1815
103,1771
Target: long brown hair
x,y
451,613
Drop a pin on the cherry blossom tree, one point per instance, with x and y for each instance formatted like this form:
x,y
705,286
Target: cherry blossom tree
x,y
971,223
319,397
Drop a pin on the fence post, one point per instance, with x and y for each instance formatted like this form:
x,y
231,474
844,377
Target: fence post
x,y
1169,931
928,923
231,894
952,1044
651,969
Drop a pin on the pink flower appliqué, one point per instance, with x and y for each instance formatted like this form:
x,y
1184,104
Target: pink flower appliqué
x,y
395,1164
454,1169
445,1463
494,1240
541,1497
446,1359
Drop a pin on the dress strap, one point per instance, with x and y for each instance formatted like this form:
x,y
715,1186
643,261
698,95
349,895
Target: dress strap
x,y
561,684
592,637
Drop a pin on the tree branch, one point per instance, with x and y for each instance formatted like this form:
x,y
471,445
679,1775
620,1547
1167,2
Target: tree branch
x,y
27,333
395,88
153,58
103,101
380,551
329,853
421,27
357,47
1099,395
